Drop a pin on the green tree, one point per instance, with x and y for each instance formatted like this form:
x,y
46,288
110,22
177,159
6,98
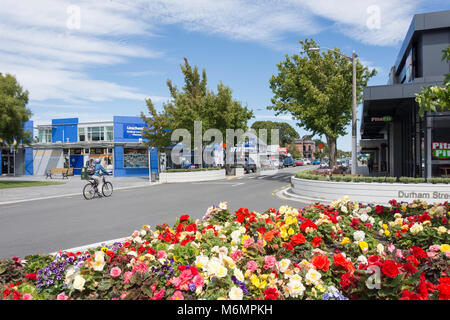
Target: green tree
x,y
194,102
316,88
434,97
293,150
287,134
13,111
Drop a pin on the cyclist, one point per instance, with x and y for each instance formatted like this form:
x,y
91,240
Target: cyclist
x,y
99,171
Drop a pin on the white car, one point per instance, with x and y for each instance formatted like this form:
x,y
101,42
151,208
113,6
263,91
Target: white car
x,y
306,162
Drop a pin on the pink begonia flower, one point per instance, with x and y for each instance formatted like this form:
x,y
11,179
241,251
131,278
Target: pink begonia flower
x,y
269,262
252,266
235,255
198,281
431,254
447,254
399,254
260,242
435,247
177,296
158,296
135,234
140,267
123,295
391,248
248,242
127,275
161,254
62,296
114,298
27,296
115,272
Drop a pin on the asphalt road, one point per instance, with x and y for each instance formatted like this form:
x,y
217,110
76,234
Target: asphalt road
x,y
45,226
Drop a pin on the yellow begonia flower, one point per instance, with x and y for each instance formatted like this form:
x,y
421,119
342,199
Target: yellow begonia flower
x,y
291,231
345,241
445,247
387,233
363,245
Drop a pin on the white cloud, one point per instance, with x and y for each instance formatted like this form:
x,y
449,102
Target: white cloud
x,y
53,61
266,21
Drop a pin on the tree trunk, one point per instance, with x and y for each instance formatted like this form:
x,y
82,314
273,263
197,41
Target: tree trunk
x,y
332,149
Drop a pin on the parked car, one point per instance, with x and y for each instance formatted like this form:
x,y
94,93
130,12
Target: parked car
x,y
298,162
289,162
307,162
249,166
316,162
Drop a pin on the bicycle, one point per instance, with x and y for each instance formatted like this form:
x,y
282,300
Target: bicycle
x,y
90,189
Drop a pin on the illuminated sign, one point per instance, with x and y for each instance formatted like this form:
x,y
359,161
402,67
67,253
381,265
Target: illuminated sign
x,y
381,119
441,150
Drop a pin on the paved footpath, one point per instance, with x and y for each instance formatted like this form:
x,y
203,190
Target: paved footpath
x,y
72,186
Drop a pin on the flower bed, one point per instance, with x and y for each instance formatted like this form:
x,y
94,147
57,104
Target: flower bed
x,y
342,251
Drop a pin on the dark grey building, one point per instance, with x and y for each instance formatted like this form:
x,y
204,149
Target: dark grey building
x,y
400,141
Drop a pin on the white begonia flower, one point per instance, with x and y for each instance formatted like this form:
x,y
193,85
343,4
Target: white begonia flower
x,y
344,209
364,217
236,293
361,259
78,283
359,235
295,288
380,248
239,275
312,277
283,265
143,233
416,228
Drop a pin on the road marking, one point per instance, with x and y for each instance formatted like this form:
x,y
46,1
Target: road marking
x,y
73,194
237,184
17,205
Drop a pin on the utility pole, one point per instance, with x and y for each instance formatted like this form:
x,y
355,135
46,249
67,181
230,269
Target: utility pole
x,y
354,151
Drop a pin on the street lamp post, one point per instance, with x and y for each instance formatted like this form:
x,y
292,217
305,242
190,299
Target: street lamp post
x,y
353,60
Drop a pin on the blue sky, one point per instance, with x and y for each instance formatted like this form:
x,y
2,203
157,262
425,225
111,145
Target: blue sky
x,y
96,59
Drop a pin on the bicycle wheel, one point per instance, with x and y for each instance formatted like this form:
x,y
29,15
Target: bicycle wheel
x,y
107,189
88,191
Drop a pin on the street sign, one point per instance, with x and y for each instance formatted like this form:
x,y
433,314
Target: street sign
x,y
320,146
282,150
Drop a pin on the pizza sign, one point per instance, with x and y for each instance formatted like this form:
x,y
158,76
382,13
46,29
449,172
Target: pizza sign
x,y
441,150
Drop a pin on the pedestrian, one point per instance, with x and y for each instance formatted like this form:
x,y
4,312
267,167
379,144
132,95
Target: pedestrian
x,y
370,164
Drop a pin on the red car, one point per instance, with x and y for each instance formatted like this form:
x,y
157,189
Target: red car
x,y
298,162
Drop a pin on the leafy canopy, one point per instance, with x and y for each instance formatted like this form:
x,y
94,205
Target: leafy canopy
x,y
434,97
287,134
13,111
316,88
194,102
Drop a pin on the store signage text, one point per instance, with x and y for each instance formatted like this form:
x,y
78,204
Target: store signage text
x,y
132,131
423,195
441,150
381,119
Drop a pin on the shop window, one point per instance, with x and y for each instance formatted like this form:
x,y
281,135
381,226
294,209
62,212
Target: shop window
x,y
75,151
97,151
81,134
45,135
135,158
109,133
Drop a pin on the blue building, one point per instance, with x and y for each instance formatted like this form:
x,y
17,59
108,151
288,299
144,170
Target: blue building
x,y
68,143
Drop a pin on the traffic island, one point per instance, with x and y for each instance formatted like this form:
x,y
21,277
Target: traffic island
x,y
340,251
191,175
368,189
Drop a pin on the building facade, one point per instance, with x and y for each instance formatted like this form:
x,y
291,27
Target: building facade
x,y
306,146
68,143
400,142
